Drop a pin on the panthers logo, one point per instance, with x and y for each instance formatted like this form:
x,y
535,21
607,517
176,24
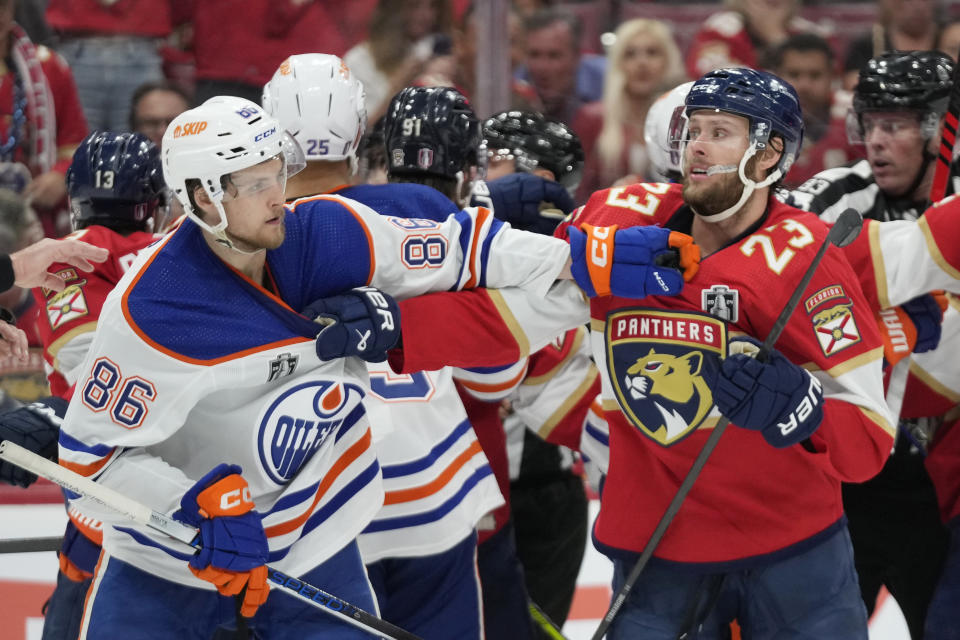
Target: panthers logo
x,y
662,364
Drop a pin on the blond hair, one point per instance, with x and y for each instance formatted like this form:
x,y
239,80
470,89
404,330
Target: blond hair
x,y
615,104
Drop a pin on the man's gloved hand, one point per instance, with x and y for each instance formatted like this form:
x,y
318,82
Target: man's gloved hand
x,y
35,427
363,322
529,202
233,546
775,397
913,327
926,313
632,262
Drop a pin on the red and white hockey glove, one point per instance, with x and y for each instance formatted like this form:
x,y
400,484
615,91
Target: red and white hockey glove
x,y
233,546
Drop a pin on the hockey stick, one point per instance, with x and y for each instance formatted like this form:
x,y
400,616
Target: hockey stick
x,y
30,545
142,514
543,621
842,233
948,138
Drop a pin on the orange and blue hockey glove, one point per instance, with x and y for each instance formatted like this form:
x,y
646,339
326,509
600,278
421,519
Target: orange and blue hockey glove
x,y
632,262
913,327
233,545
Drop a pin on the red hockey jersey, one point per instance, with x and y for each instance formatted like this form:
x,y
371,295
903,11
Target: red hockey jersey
x,y
70,317
658,358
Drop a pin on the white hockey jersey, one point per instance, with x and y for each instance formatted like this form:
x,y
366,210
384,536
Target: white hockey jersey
x,y
437,481
193,364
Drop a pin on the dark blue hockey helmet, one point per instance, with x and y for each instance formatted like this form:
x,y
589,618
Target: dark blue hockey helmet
x,y
769,103
116,180
432,131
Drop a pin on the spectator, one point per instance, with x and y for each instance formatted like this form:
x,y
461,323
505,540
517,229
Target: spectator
x,y
153,106
552,61
238,44
44,122
407,38
590,67
902,25
19,228
522,95
806,61
644,62
111,49
738,36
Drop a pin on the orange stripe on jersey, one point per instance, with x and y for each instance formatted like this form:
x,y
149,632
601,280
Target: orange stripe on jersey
x,y
432,487
481,387
348,457
596,407
93,588
469,260
125,308
363,225
87,469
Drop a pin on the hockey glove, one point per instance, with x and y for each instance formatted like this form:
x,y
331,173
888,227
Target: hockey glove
x,y
913,327
363,322
926,313
35,427
233,546
775,397
627,262
529,202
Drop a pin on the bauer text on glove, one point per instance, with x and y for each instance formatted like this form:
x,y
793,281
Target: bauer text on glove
x,y
775,397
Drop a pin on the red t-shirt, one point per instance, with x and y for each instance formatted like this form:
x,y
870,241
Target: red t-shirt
x,y
150,18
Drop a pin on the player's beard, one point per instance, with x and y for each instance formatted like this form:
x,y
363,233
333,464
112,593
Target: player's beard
x,y
709,200
269,237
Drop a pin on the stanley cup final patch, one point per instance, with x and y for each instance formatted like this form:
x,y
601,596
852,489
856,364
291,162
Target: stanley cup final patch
x,y
662,365
831,313
721,302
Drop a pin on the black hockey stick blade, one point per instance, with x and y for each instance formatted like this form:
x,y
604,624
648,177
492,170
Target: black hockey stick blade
x,y
846,229
30,545
842,233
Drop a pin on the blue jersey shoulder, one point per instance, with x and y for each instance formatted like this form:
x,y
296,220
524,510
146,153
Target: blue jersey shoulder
x,y
188,301
403,200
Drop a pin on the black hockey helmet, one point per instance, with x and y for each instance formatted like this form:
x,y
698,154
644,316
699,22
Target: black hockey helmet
x,y
535,141
432,131
905,80
115,180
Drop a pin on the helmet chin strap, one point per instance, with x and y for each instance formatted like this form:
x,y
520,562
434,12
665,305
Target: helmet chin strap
x,y
749,185
219,231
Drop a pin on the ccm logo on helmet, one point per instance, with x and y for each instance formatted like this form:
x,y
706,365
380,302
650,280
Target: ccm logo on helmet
x,y
265,134
235,498
189,129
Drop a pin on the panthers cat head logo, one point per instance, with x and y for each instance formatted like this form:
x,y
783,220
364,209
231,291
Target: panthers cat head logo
x,y
661,364
670,382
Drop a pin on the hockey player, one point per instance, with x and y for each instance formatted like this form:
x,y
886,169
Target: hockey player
x,y
898,105
116,189
184,414
747,543
420,548
548,504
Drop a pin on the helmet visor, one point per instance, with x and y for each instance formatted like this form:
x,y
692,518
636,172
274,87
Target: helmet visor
x,y
272,172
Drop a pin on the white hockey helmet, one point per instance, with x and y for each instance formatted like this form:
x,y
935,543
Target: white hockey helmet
x,y
223,135
665,117
322,104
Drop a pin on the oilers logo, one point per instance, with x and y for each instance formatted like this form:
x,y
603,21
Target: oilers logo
x,y
300,420
662,365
